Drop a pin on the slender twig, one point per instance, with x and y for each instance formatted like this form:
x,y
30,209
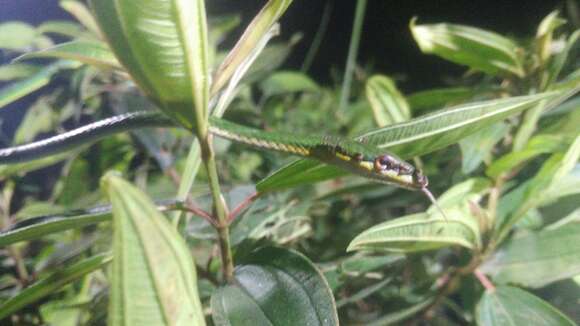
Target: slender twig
x,y
242,206
192,208
484,280
352,52
318,37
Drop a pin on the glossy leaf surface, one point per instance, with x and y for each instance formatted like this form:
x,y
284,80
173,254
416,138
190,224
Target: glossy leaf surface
x,y
275,287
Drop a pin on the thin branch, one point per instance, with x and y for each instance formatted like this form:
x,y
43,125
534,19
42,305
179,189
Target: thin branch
x,y
242,206
484,280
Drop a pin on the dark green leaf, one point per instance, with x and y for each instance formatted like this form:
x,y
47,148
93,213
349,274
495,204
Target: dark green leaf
x,y
438,98
275,287
52,283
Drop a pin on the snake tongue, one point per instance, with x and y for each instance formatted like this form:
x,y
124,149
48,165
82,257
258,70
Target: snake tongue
x,y
434,201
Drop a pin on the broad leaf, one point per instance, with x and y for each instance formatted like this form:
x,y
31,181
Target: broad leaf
x,y
278,287
535,260
388,104
510,306
476,48
52,283
416,137
164,47
91,53
419,232
152,263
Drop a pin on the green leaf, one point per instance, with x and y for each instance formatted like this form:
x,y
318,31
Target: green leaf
x,y
439,97
8,170
419,232
260,26
152,263
33,83
511,306
388,104
529,195
536,260
416,137
275,286
79,11
52,283
91,53
38,227
285,82
164,47
477,148
17,71
538,145
16,35
61,27
545,34
476,48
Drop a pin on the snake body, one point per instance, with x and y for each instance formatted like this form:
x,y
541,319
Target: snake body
x,y
352,156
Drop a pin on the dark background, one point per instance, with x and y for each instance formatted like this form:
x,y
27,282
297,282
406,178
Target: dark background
x,y
386,41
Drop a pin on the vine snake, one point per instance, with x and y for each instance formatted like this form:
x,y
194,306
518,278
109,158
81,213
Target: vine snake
x,y
355,157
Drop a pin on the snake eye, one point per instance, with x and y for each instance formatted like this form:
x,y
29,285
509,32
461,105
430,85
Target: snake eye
x,y
386,162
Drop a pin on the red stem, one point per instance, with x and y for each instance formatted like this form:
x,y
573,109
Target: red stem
x,y
242,206
484,280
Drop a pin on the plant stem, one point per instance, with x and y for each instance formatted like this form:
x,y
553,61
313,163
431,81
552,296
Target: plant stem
x,y
352,52
315,46
219,206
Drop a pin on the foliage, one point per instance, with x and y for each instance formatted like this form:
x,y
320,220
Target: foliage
x,y
311,245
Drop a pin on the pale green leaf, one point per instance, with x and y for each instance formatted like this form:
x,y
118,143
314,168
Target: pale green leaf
x,y
476,48
91,53
388,104
420,232
510,306
21,88
152,263
260,25
536,260
477,148
17,71
284,82
16,35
